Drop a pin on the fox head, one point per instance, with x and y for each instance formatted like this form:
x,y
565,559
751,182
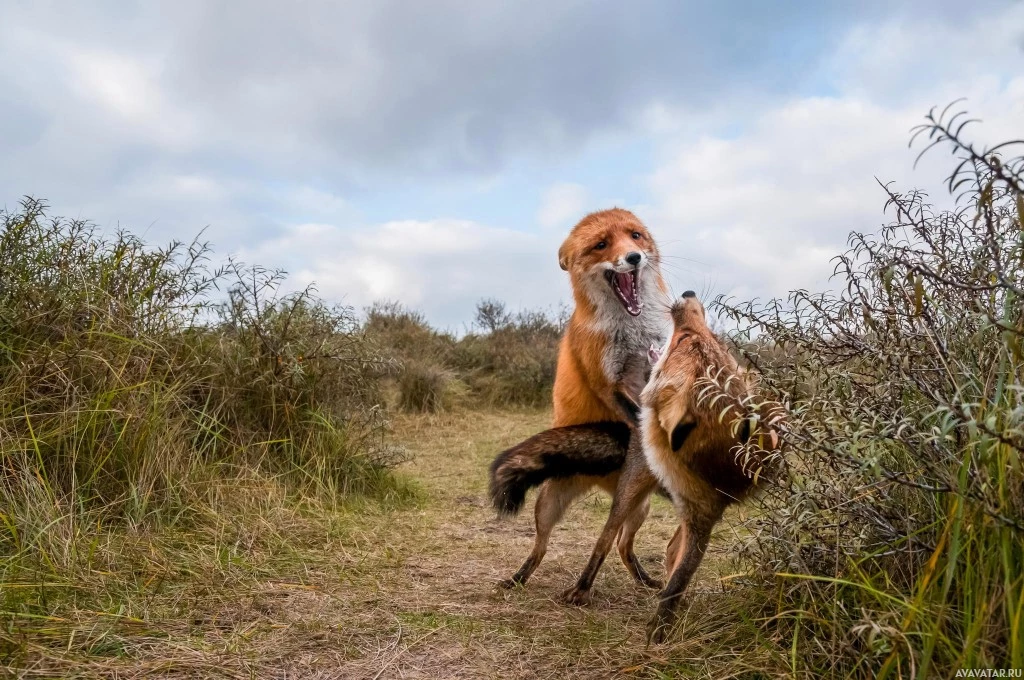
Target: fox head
x,y
693,407
672,395
613,258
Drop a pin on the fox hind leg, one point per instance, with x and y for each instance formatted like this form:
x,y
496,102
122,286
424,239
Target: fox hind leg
x,y
673,549
633,522
555,497
629,509
694,535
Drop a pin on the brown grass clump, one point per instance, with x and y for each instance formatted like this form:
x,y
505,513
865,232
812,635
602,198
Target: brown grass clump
x,y
424,388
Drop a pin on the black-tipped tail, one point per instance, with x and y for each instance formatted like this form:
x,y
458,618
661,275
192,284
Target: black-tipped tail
x,y
594,449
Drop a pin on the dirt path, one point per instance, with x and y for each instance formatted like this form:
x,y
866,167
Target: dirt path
x,y
431,610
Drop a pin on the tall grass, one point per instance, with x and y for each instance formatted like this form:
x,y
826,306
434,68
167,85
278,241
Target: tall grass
x,y
127,396
895,545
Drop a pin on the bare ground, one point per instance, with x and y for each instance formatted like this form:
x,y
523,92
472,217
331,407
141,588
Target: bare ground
x,y
364,591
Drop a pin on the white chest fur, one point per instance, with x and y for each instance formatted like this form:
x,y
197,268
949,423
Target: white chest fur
x,y
627,338
662,465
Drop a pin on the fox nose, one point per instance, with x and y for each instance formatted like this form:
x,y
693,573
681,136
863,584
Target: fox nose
x,y
634,258
689,294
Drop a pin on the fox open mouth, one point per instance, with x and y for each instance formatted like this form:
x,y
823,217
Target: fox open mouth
x,y
627,287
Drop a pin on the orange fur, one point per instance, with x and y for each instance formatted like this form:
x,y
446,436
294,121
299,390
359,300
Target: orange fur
x,y
690,443
602,359
584,392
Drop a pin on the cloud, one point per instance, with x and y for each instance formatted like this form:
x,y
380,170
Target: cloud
x,y
562,205
762,212
442,267
747,135
360,88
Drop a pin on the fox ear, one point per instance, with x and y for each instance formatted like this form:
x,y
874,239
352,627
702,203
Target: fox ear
x,y
674,418
563,256
679,435
653,353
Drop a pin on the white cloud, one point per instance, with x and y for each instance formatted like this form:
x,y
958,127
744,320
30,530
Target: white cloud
x,y
442,267
325,205
763,212
562,205
281,133
120,84
904,58
127,91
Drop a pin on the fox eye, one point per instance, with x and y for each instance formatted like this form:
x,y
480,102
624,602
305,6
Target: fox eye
x,y
601,245
636,235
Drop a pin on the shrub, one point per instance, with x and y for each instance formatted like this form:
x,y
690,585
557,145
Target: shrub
x,y
292,366
507,360
123,389
424,388
406,333
513,361
897,537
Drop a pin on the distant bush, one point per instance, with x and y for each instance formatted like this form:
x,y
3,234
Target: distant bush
x,y
508,359
424,387
512,359
122,387
897,536
406,333
293,368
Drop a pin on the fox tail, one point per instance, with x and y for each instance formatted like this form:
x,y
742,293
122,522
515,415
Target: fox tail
x,y
592,449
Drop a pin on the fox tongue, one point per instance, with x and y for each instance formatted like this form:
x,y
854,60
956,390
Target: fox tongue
x,y
625,286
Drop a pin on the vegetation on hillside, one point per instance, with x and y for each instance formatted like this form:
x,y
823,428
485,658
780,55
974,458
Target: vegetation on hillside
x,y
507,359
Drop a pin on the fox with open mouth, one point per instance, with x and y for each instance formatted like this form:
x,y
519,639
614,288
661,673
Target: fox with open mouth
x,y
704,436
621,310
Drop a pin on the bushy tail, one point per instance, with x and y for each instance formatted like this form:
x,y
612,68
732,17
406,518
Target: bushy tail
x,y
592,449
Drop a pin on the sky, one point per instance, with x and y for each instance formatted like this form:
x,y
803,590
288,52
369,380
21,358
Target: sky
x,y
437,153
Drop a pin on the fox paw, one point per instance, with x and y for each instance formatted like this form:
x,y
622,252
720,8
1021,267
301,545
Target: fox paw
x,y
639,573
652,583
509,584
575,596
658,630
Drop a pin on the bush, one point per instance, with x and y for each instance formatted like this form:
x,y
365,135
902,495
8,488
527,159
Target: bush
x,y
424,388
123,389
291,367
512,363
406,334
508,360
897,538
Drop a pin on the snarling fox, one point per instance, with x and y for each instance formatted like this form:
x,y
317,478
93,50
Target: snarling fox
x,y
621,309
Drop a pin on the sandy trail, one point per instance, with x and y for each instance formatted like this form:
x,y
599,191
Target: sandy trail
x,y
436,612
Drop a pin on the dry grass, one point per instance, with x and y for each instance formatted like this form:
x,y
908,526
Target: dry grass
x,y
270,585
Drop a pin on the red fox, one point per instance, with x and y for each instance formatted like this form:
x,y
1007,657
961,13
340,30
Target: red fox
x,y
690,442
682,442
620,312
